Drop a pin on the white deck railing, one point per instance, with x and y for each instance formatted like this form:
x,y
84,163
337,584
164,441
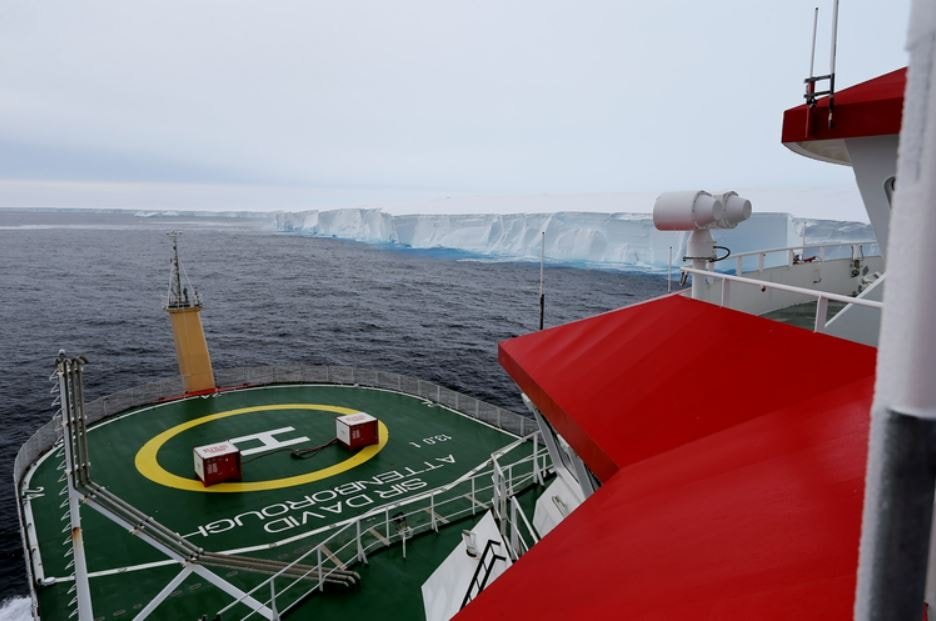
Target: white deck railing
x,y
346,542
822,297
791,252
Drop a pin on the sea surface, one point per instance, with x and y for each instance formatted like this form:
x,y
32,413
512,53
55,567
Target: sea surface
x,y
95,284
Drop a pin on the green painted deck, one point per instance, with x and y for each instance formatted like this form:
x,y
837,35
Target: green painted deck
x,y
428,446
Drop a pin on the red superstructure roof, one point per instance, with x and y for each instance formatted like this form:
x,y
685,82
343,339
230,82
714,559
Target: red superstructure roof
x,y
872,108
732,454
645,379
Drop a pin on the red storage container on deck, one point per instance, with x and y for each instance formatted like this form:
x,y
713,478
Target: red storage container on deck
x,y
356,430
216,463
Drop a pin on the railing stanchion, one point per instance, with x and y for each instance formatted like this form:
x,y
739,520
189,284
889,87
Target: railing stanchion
x,y
760,261
725,292
513,531
822,311
536,471
321,577
362,558
473,501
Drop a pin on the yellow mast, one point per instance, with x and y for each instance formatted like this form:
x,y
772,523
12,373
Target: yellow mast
x,y
184,310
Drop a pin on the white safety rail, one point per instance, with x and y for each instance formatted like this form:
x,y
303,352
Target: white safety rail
x,y
346,543
822,298
508,513
794,255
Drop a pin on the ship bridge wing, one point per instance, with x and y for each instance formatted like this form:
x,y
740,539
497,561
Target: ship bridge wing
x,y
732,454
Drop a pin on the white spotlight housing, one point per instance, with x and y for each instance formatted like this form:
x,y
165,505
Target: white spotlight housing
x,y
687,211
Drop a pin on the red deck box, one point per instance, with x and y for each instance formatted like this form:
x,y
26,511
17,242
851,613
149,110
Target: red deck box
x,y
356,430
216,463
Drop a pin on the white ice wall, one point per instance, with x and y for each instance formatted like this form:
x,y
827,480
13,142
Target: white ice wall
x,y
621,240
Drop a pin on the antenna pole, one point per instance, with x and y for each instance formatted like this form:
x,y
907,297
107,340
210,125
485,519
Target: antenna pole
x,y
812,53
175,295
835,6
542,292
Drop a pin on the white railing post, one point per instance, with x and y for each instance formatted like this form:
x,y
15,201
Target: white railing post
x,y
514,531
725,292
536,471
360,545
760,262
669,271
739,266
822,310
432,514
321,584
473,501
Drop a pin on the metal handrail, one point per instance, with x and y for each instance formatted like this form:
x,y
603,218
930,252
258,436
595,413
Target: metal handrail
x,y
822,297
488,568
803,246
857,251
355,543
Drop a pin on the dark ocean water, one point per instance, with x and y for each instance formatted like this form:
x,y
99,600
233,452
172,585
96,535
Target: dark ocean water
x,y
95,284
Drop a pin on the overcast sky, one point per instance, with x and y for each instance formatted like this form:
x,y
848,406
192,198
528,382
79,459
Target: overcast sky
x,y
365,99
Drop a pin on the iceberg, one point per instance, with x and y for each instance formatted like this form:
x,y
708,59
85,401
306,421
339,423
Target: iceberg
x,y
607,240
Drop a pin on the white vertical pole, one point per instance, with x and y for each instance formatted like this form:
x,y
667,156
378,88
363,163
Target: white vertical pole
x,y
812,53
542,292
822,313
669,271
907,350
898,498
321,584
273,599
835,5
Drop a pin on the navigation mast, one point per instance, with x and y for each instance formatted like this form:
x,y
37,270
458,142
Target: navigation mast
x,y
184,308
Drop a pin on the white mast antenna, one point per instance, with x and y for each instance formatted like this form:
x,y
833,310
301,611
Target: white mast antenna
x,y
812,53
835,6
542,291
812,94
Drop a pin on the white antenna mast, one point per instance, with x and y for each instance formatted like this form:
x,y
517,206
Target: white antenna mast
x,y
542,290
812,53
812,94
835,5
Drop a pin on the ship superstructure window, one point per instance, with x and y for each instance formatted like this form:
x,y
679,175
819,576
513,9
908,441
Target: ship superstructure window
x,y
890,186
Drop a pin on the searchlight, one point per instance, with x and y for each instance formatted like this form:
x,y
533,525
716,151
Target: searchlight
x,y
699,212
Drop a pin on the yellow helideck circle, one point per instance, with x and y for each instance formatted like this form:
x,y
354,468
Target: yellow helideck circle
x,y
148,465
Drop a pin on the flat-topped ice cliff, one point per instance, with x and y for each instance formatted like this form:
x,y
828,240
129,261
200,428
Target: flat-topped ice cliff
x,y
615,240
